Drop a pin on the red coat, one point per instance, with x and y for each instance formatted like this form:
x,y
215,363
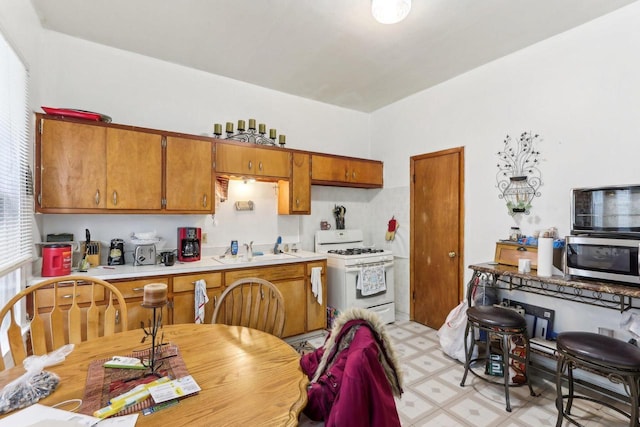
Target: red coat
x,y
354,390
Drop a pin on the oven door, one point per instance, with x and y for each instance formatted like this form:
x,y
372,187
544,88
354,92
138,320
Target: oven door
x,y
369,285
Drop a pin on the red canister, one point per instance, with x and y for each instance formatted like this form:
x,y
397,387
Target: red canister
x,y
56,260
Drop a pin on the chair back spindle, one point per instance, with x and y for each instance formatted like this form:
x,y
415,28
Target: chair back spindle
x,y
66,310
254,303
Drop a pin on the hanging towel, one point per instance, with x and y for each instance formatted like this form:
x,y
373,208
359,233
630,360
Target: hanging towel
x,y
316,283
201,299
371,280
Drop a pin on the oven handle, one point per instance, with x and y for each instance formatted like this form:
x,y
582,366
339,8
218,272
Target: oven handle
x,y
358,268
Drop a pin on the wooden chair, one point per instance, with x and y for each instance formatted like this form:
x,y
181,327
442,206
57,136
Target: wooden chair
x,y
252,302
72,309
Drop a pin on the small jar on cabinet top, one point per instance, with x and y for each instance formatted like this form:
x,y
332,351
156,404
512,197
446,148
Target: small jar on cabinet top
x,y
515,234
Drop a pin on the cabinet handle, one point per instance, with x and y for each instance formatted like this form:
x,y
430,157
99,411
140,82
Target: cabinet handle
x,y
260,166
250,164
346,174
69,296
139,289
204,201
115,198
297,202
215,301
353,174
97,197
117,317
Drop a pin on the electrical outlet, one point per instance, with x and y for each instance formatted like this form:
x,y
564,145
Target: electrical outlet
x,y
204,237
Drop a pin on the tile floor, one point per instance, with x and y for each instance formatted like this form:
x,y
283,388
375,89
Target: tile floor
x,y
433,396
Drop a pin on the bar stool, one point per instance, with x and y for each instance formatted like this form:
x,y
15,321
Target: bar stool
x,y
499,321
617,360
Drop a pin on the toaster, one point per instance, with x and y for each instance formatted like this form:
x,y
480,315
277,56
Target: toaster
x,y
144,255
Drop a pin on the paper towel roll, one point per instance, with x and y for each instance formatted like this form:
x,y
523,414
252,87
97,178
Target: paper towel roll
x,y
545,256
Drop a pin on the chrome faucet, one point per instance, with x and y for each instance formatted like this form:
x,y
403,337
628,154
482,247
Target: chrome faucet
x,y
249,248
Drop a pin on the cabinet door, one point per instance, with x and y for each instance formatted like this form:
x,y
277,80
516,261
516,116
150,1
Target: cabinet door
x,y
72,166
235,159
301,183
366,172
274,163
346,172
294,195
327,168
184,296
134,170
316,313
189,175
293,292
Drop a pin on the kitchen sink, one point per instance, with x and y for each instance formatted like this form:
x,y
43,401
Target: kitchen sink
x,y
228,259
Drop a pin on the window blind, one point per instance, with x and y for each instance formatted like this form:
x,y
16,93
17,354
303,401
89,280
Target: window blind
x,y
16,186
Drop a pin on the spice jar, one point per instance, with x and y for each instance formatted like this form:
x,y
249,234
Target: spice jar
x,y
515,234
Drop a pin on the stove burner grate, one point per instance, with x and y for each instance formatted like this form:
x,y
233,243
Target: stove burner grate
x,y
355,251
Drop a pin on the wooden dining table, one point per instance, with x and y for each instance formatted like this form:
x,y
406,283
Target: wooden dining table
x,y
247,377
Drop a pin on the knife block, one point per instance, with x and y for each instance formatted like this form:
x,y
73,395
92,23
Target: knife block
x,y
92,253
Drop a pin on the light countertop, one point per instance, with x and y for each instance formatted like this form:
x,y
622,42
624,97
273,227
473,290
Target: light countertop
x,y
206,263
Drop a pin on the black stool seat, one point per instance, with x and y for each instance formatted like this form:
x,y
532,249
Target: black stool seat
x,y
600,349
496,317
617,360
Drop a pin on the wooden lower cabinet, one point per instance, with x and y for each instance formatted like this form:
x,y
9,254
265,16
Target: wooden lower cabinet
x,y
293,281
183,304
316,313
302,311
293,291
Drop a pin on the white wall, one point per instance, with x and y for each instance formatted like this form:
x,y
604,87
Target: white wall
x,y
578,90
143,91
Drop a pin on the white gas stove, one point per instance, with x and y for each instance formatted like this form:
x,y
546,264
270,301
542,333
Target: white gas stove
x,y
357,275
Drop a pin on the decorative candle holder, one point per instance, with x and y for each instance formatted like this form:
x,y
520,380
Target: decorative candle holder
x,y
250,135
155,297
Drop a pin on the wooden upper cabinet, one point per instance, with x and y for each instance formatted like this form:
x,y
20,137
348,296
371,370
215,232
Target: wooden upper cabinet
x,y
134,170
72,166
189,175
345,171
248,160
294,195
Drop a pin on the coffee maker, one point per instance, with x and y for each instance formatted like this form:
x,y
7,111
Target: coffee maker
x,y
189,239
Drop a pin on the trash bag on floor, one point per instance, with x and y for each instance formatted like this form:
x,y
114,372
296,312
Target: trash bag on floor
x,y
451,333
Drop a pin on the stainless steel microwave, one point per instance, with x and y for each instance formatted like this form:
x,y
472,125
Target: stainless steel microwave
x,y
610,259
606,211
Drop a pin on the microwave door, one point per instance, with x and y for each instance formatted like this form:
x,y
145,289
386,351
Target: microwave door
x,y
604,261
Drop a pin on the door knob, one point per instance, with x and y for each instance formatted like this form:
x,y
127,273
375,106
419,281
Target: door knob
x,y
452,254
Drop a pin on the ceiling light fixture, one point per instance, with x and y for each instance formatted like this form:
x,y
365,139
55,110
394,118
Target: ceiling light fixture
x,y
390,11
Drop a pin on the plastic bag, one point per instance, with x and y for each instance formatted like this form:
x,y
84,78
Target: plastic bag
x,y
451,333
36,383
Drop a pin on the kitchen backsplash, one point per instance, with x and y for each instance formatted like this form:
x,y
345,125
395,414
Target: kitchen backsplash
x,y
262,225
